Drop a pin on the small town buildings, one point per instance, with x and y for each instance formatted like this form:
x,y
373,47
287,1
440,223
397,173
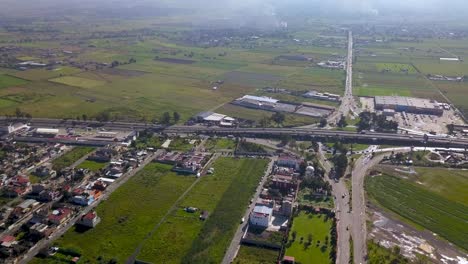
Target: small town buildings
x,y
288,161
8,241
102,155
83,200
40,229
284,183
322,96
59,216
90,219
261,216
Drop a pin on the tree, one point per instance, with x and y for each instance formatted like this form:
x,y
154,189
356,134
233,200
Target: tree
x,y
18,112
84,117
166,118
278,118
176,117
323,122
451,129
264,121
342,122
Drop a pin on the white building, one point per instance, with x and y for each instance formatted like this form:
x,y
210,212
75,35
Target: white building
x,y
261,216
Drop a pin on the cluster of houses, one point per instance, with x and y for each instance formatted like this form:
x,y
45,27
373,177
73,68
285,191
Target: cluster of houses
x,y
60,196
186,163
279,194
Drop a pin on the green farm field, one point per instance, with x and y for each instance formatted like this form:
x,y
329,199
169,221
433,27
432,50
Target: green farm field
x,y
9,81
183,238
315,226
422,206
128,215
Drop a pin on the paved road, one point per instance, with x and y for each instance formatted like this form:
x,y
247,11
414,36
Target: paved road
x,y
61,230
359,231
343,216
235,243
347,102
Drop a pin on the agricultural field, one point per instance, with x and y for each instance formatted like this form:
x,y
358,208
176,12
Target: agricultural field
x,y
93,166
309,239
400,68
255,255
163,72
70,157
182,237
43,74
78,82
9,81
128,215
419,204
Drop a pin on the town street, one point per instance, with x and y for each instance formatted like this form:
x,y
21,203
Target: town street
x,y
359,231
235,243
343,217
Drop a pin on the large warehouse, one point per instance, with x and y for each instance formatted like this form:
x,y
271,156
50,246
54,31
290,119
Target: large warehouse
x,y
408,104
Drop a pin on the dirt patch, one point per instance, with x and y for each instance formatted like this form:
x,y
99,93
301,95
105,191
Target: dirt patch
x,y
122,72
390,232
176,61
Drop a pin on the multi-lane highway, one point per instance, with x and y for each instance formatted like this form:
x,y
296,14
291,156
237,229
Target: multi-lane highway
x,y
347,102
323,134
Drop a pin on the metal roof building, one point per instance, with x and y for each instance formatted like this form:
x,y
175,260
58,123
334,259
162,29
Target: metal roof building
x,y
408,104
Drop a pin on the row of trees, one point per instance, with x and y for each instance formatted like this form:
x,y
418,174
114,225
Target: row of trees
x,y
379,123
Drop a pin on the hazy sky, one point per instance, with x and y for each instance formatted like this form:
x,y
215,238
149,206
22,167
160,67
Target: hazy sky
x,y
371,7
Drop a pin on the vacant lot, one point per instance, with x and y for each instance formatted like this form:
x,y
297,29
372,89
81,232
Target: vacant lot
x,y
224,195
256,255
311,242
128,215
78,82
9,81
381,255
92,165
70,157
421,206
220,143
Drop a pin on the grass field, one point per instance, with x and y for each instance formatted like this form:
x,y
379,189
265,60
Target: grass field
x,y
380,255
220,143
128,215
92,165
78,82
70,157
315,226
421,206
43,74
9,81
255,255
224,194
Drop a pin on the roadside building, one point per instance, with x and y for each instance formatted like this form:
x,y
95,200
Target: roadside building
x,y
90,219
212,118
59,216
261,216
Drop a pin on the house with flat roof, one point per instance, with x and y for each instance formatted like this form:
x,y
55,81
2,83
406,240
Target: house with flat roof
x,y
261,216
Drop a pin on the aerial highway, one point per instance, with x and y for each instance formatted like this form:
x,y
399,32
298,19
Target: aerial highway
x,y
324,134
